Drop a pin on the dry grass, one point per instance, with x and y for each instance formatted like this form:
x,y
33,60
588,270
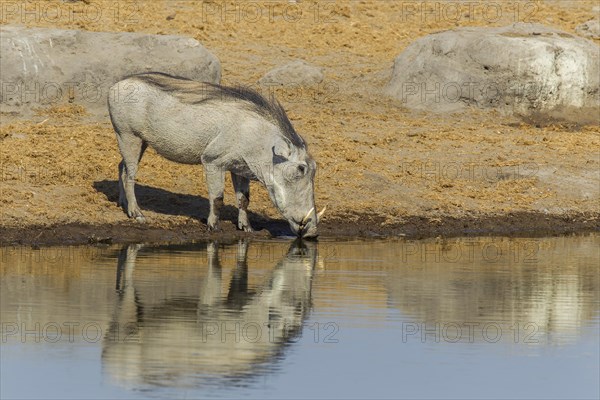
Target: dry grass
x,y
374,157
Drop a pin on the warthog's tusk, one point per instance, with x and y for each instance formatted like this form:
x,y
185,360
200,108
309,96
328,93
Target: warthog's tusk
x,y
319,215
305,219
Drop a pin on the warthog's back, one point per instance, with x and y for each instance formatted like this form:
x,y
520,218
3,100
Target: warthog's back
x,y
180,118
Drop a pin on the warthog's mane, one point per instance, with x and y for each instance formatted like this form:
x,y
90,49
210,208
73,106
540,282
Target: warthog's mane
x,y
193,92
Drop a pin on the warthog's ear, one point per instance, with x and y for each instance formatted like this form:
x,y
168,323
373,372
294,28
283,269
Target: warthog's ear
x,y
281,151
277,159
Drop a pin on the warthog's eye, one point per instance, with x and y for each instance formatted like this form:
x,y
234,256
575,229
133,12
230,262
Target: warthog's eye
x,y
294,171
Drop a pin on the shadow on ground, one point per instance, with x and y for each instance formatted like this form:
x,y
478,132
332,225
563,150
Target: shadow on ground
x,y
165,202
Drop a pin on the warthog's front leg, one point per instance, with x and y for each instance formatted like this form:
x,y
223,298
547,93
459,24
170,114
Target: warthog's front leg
x,y
215,180
241,186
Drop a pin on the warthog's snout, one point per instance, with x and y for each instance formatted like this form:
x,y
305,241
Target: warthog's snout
x,y
309,232
307,228
304,231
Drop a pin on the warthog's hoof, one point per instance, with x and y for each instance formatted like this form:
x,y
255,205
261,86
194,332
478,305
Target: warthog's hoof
x,y
213,223
245,227
136,214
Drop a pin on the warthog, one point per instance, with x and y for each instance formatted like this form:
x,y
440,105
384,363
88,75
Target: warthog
x,y
223,128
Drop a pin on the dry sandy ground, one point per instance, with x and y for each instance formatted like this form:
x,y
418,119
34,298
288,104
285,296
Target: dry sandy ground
x,y
382,169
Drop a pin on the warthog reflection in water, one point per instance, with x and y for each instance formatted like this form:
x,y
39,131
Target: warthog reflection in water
x,y
211,338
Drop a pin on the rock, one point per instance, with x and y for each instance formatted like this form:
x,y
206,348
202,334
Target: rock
x,y
590,29
297,72
44,67
538,73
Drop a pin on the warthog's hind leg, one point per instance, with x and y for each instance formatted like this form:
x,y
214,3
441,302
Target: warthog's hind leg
x,y
132,148
241,185
215,181
122,178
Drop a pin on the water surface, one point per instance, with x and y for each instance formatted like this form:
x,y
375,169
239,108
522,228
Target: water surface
x,y
460,318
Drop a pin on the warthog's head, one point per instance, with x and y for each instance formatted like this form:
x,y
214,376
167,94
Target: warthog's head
x,y
292,188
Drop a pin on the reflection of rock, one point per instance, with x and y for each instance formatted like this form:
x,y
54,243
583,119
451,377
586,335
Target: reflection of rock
x,y
178,339
556,291
530,70
295,73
